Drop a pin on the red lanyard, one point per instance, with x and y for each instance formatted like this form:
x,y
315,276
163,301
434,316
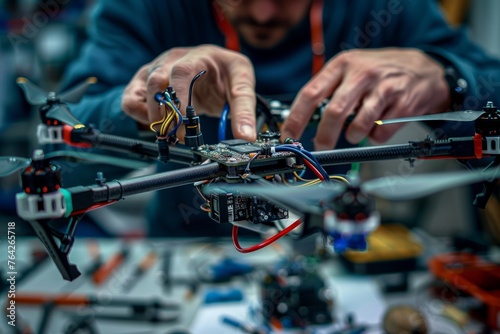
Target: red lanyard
x,y
317,40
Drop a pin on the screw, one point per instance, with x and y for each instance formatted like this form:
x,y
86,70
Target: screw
x,y
38,155
100,179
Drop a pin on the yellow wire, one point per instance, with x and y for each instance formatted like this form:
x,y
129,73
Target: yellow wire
x,y
309,183
158,122
167,120
169,115
166,124
285,181
340,178
300,178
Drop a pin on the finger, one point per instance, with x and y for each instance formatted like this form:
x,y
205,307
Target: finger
x,y
319,88
158,78
371,110
242,99
157,81
134,97
383,133
208,93
397,103
344,102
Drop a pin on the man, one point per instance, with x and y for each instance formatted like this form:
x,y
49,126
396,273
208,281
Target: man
x,y
373,59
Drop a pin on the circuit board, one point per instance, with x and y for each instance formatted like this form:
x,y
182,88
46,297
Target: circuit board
x,y
236,154
229,208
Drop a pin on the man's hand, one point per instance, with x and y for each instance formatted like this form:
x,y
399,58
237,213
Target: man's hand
x,y
230,77
372,84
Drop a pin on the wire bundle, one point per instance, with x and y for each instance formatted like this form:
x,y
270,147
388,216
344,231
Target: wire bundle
x,y
309,159
313,164
171,115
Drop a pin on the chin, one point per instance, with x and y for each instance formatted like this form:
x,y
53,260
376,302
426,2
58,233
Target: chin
x,y
262,38
263,42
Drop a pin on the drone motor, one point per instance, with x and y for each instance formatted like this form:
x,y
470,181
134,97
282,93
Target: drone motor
x,y
41,198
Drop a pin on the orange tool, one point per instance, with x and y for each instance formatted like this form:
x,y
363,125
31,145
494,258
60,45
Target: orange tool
x,y
104,271
473,275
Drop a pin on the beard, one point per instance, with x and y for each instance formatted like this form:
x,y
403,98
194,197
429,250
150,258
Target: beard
x,y
260,34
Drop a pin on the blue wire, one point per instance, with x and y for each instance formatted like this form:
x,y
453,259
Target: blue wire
x,y
306,155
223,122
309,154
158,97
174,130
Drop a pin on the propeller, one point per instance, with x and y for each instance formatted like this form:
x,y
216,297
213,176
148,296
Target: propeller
x,y
401,188
56,107
308,199
75,94
62,114
302,199
10,165
455,116
34,94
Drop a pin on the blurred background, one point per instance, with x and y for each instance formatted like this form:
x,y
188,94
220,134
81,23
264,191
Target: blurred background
x,y
39,38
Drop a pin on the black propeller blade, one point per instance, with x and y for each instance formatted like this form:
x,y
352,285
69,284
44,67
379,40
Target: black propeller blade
x,y
455,116
62,114
301,199
75,94
9,165
96,158
401,188
57,108
308,199
34,94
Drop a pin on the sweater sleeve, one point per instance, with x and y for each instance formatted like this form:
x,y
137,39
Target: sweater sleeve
x,y
117,47
423,26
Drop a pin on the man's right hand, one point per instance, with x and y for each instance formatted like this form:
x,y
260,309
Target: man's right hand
x,y
230,77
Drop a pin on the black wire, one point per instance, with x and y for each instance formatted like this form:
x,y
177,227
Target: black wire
x,y
196,77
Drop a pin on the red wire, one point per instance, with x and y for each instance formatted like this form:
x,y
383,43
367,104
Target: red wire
x,y
314,169
278,235
264,243
92,207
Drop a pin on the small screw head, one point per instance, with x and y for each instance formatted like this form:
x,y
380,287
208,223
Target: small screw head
x,y
38,155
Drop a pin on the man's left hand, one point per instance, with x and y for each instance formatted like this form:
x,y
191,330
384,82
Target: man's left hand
x,y
372,84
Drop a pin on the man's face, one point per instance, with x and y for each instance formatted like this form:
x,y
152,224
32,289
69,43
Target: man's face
x,y
264,23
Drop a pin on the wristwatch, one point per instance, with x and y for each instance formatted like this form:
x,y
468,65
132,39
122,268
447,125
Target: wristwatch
x,y
458,87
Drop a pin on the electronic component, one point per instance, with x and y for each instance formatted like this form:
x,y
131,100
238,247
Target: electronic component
x,y
228,208
350,217
193,136
392,249
295,297
41,178
236,156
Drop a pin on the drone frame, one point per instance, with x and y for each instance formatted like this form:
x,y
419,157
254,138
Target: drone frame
x,y
76,201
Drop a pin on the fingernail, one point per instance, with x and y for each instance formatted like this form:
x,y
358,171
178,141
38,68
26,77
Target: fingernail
x,y
247,131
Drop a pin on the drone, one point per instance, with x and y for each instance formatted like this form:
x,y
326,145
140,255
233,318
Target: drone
x,y
254,185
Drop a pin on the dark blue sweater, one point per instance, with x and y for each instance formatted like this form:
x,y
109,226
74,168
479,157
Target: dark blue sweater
x,y
124,35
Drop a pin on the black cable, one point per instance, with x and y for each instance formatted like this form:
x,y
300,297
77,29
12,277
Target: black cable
x,y
196,77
